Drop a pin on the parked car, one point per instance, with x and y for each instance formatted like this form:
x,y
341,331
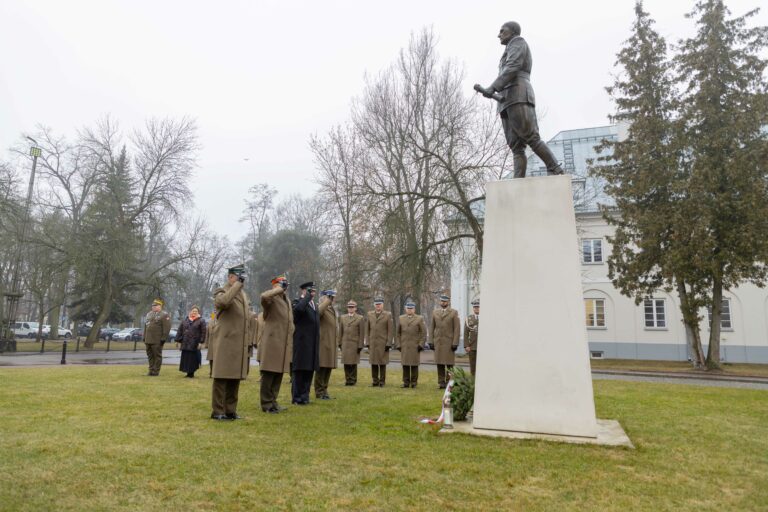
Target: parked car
x,y
137,335
25,329
84,329
107,332
63,333
123,335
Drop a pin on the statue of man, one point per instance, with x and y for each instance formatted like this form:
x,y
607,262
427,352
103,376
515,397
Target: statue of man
x,y
517,104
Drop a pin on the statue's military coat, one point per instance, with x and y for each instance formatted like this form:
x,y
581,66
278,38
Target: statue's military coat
x,y
444,333
514,80
471,325
351,337
276,345
411,333
328,330
230,360
380,330
157,325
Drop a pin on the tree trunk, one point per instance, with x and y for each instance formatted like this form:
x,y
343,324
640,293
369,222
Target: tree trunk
x,y
40,319
691,323
57,298
713,353
104,312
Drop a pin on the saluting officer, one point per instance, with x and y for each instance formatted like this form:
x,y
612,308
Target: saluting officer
x,y
350,340
444,333
411,334
471,325
379,332
157,325
328,358
306,343
276,345
231,361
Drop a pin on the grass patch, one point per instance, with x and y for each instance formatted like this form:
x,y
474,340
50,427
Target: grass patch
x,y
736,369
109,438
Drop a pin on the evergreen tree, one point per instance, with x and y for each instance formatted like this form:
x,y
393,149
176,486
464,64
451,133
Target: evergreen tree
x,y
724,112
642,174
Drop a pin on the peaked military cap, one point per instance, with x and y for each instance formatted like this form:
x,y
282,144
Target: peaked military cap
x,y
351,304
445,297
158,302
237,269
309,284
410,304
476,302
378,300
329,293
279,278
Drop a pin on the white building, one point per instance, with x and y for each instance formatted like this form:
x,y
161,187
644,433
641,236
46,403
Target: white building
x,y
617,328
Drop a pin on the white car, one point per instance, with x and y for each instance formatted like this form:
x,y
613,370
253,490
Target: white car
x,y
63,333
124,335
25,329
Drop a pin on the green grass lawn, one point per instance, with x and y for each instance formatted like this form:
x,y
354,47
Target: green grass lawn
x,y
734,369
109,438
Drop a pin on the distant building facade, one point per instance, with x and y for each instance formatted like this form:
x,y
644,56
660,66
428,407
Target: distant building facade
x,y
617,328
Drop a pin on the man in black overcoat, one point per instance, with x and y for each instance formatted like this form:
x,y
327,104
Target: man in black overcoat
x,y
306,343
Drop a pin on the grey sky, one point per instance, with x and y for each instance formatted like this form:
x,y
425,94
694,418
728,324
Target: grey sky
x,y
260,77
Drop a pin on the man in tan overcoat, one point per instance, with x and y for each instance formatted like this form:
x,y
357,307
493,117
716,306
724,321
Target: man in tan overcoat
x,y
328,358
444,333
253,330
276,345
157,325
409,340
471,326
379,331
350,339
231,361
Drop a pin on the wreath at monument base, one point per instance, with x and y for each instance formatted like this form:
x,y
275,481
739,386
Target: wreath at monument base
x,y
462,394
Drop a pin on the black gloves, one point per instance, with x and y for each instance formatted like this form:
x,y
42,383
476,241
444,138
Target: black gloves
x,y
359,350
420,348
283,284
453,349
387,348
241,278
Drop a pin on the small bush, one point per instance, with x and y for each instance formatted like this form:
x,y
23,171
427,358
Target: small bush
x,y
462,393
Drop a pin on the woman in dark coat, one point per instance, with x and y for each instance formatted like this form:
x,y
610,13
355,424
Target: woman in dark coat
x,y
190,337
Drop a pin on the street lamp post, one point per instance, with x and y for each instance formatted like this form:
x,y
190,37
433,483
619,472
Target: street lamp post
x,y
7,338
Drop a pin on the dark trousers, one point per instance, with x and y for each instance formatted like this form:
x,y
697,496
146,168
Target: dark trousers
x,y
224,396
472,361
410,376
322,377
442,378
302,381
350,374
379,374
270,388
155,357
521,129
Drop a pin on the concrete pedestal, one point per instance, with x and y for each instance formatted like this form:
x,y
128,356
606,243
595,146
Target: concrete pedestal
x,y
533,372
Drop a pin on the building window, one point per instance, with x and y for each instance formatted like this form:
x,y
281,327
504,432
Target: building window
x,y
655,313
595,309
725,315
592,250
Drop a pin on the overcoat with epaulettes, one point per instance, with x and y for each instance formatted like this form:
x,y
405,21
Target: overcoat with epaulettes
x,y
471,325
157,325
328,329
351,337
276,345
380,330
411,333
230,360
444,335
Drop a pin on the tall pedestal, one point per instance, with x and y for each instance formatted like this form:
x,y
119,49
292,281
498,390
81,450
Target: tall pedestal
x,y
533,371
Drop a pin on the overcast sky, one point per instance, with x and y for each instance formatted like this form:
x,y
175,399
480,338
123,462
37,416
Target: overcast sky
x,y
261,77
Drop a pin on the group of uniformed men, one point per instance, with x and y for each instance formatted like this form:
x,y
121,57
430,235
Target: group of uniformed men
x,y
301,337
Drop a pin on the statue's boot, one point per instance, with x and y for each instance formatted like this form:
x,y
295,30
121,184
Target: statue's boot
x,y
545,154
520,163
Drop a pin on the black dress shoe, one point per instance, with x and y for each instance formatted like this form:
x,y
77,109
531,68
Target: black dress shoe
x,y
325,397
234,416
272,410
405,386
222,417
381,384
441,387
375,385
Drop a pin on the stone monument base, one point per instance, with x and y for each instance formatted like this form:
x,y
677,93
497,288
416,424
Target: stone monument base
x,y
609,433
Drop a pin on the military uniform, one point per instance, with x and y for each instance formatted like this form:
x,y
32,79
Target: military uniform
x,y
306,345
444,333
231,362
328,358
350,340
209,345
409,340
276,345
157,325
379,333
471,325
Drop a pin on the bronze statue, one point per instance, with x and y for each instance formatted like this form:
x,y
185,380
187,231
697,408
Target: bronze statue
x,y
517,104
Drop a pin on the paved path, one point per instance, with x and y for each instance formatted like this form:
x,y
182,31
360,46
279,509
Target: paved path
x,y
171,358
